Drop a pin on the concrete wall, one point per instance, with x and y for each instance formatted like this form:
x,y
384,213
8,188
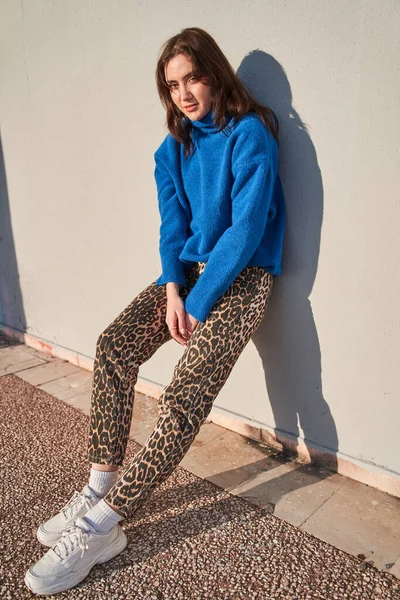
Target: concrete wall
x,y
80,120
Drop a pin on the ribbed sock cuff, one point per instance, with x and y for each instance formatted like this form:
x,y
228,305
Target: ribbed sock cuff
x,y
102,517
102,481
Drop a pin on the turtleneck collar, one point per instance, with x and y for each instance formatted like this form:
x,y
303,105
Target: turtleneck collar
x,y
206,123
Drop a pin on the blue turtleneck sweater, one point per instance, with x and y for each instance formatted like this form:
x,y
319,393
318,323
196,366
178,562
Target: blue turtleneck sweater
x,y
223,205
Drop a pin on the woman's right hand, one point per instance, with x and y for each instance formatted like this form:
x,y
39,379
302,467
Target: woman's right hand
x,y
176,319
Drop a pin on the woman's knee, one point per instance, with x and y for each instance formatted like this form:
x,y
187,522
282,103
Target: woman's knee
x,y
110,347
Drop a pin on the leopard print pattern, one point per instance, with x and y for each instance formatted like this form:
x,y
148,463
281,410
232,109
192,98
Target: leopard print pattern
x,y
184,404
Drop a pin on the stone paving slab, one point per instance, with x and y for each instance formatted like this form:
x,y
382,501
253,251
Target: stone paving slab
x,y
292,491
231,459
48,372
18,358
190,540
80,401
71,385
362,521
395,569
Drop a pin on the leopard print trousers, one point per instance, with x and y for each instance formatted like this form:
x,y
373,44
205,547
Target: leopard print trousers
x,y
184,404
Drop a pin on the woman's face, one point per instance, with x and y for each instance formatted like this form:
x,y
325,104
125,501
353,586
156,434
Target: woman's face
x,y
186,90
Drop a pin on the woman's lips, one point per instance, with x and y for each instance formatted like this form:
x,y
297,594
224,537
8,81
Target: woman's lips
x,y
192,107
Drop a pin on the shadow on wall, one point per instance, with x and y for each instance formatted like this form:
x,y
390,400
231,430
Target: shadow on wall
x,y
287,339
12,313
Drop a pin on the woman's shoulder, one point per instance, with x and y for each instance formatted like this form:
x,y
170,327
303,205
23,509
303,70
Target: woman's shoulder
x,y
251,123
167,149
251,137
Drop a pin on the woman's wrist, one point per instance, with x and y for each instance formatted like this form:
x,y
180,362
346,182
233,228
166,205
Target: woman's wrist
x,y
172,289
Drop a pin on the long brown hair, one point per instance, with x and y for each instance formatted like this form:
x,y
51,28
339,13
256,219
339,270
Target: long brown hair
x,y
210,65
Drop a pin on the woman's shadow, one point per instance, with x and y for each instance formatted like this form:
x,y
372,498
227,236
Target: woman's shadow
x,y
287,339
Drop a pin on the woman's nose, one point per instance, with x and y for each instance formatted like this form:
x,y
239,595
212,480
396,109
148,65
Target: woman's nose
x,y
184,94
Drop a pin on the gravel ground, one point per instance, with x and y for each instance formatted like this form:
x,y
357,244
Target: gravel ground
x,y
191,540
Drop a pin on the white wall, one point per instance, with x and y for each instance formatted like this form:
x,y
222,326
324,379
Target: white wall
x,y
80,121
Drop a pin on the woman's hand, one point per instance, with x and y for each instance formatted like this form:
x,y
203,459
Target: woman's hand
x,y
180,323
191,323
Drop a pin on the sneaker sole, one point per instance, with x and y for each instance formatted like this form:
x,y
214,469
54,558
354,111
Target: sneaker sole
x,y
33,582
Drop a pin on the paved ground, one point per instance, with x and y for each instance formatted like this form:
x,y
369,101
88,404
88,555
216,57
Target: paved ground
x,y
191,540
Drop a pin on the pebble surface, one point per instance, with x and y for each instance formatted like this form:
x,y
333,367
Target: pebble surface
x,y
191,540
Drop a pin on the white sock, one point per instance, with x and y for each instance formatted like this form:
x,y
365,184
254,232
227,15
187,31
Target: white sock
x,y
102,517
100,482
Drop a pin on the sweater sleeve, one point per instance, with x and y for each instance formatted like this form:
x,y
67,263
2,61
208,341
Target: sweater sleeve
x,y
173,228
254,168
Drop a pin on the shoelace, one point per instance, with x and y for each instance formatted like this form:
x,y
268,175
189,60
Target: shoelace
x,y
69,537
74,504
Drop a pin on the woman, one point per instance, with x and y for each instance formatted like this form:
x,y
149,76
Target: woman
x,y
222,214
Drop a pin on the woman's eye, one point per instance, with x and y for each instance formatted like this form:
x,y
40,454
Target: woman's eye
x,y
172,86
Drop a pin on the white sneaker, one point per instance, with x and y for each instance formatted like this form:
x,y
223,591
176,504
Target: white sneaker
x,y
69,561
50,531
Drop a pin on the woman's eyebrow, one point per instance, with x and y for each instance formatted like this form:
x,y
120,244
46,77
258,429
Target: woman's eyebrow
x,y
184,77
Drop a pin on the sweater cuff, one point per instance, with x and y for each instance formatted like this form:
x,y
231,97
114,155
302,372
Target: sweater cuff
x,y
174,274
199,308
